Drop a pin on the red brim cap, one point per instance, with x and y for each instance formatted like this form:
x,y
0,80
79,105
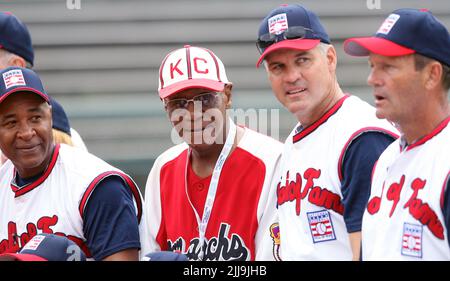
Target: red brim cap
x,y
24,89
191,84
295,44
363,46
20,257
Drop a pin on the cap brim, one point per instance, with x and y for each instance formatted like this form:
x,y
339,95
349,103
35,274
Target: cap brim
x,y
165,256
190,84
24,89
363,46
20,257
296,44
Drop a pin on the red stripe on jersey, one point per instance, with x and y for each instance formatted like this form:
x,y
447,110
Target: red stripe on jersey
x,y
433,133
356,135
129,182
308,130
21,191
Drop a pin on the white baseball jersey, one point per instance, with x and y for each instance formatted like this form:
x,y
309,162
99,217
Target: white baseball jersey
x,y
55,202
242,223
404,219
309,187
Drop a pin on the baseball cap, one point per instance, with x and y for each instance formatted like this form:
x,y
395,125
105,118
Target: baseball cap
x,y
17,79
59,117
191,67
14,37
47,247
404,32
165,256
290,27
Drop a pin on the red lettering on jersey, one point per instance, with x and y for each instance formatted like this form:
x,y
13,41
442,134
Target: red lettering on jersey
x,y
205,71
175,68
419,210
422,211
16,242
26,236
44,224
393,193
374,204
416,185
292,190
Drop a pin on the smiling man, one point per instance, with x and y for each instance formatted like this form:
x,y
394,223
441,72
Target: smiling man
x,y
55,188
210,197
408,214
325,169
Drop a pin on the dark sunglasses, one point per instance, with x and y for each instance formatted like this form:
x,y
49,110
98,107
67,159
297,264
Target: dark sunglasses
x,y
295,32
206,100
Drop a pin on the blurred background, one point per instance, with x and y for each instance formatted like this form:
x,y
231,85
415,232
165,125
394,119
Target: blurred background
x,y
101,61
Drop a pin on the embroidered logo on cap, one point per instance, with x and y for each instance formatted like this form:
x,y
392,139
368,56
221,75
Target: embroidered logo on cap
x,y
388,24
34,243
412,240
13,78
278,24
321,226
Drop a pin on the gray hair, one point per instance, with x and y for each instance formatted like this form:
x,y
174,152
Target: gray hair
x,y
7,56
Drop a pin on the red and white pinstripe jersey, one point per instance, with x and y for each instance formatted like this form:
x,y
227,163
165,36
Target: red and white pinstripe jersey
x,y
55,202
404,218
240,225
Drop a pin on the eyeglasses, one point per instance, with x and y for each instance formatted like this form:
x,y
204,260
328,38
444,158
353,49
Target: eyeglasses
x,y
295,32
207,100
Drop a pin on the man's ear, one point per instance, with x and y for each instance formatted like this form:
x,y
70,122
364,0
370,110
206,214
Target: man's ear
x,y
433,75
332,58
17,61
227,90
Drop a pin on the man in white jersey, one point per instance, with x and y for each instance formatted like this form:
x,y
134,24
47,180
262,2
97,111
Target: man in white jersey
x,y
212,196
408,213
324,177
55,188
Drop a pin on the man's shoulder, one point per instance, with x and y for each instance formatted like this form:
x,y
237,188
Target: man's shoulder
x,y
81,162
260,139
260,145
170,154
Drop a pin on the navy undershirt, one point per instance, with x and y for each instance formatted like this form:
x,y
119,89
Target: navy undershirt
x,y
357,167
110,222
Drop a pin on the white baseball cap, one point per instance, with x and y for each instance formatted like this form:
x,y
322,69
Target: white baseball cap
x,y
191,67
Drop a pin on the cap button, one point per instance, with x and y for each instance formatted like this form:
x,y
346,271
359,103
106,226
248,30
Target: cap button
x,y
424,10
187,46
284,5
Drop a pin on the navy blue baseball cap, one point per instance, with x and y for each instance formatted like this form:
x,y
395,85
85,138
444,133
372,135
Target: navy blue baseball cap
x,y
47,247
59,117
14,37
165,256
17,79
405,32
290,27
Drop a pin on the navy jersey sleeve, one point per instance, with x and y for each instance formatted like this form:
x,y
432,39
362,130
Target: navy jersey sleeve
x,y
446,209
110,223
357,166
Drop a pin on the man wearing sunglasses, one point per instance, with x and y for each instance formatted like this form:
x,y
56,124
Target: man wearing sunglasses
x,y
325,168
209,197
408,213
